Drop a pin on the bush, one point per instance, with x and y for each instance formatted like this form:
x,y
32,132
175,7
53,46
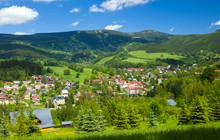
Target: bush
x,y
66,72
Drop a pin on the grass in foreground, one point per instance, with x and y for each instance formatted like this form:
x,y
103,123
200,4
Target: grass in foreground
x,y
168,131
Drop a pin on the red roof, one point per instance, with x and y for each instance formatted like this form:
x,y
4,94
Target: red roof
x,y
147,83
122,82
217,70
160,67
102,76
97,80
134,87
7,82
135,69
145,88
4,97
36,96
110,88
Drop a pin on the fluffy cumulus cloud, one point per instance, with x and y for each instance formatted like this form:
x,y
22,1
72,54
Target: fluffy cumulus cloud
x,y
21,33
215,23
76,23
171,30
75,10
113,5
45,0
113,27
94,8
17,15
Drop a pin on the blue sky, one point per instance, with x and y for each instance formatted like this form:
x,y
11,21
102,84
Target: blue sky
x,y
169,16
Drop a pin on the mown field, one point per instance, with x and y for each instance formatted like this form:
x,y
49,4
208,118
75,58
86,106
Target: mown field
x,y
152,56
102,61
72,77
167,131
136,60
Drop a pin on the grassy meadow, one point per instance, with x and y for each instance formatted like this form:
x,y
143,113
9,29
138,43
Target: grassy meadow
x,y
72,77
102,61
168,131
136,60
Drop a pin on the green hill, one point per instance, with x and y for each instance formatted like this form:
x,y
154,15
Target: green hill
x,y
88,45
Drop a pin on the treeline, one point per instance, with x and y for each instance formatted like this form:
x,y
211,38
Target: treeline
x,y
11,70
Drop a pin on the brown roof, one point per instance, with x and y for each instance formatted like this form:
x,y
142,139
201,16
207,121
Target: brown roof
x,y
4,97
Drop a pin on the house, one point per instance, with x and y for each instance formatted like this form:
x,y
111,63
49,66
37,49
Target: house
x,y
36,99
15,87
26,96
134,90
8,83
66,124
51,79
64,93
59,99
4,99
57,79
16,82
160,67
29,87
122,83
38,79
67,83
43,117
43,91
73,84
171,102
37,87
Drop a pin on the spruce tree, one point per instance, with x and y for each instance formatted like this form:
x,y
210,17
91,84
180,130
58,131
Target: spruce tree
x,y
45,105
216,111
4,131
90,123
133,116
152,119
101,122
183,116
121,118
199,111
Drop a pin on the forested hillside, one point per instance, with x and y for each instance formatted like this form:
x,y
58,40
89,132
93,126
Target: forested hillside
x,y
78,46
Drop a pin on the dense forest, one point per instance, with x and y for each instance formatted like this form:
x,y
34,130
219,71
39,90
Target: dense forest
x,y
11,70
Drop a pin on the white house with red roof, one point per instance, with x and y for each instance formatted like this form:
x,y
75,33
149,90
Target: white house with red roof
x,y
36,99
134,90
122,83
4,99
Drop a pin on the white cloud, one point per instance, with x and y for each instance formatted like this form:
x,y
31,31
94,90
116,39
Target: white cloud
x,y
215,23
94,8
17,15
113,27
171,30
21,33
45,0
113,5
75,10
114,22
76,23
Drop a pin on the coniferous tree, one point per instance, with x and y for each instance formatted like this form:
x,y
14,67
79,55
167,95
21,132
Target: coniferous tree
x,y
199,111
133,116
101,122
216,111
90,122
121,118
80,122
152,119
4,131
184,115
45,105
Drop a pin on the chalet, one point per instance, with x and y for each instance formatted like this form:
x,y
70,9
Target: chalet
x,y
43,117
36,99
67,83
26,96
66,124
4,99
134,90
64,93
59,99
29,87
38,79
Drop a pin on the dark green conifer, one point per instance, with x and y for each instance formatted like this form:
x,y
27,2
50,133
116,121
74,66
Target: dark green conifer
x,y
121,117
133,116
184,114
152,119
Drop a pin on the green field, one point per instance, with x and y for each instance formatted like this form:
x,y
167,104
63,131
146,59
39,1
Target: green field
x,y
143,54
136,60
102,61
168,131
152,56
72,77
